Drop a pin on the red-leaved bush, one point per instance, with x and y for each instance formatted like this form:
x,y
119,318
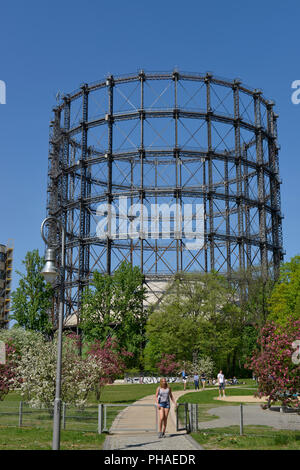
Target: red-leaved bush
x,y
276,363
7,373
110,357
168,365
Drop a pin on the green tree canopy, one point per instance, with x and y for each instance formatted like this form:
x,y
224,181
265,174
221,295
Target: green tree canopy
x,y
31,301
284,303
199,314
113,307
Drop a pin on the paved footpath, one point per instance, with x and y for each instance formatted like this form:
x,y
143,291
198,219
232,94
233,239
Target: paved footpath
x,y
144,418
253,415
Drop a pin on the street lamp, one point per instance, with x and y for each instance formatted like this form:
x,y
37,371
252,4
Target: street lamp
x,y
50,273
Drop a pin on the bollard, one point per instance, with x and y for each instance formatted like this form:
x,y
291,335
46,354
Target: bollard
x,y
20,413
241,420
186,416
100,418
190,417
64,407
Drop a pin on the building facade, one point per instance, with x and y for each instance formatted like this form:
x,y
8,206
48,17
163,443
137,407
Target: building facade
x,y
6,256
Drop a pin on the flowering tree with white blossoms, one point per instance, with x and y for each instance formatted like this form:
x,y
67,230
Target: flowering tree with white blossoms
x,y
13,341
36,372
200,365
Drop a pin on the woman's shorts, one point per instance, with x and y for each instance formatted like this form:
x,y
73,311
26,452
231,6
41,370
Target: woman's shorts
x,y
164,405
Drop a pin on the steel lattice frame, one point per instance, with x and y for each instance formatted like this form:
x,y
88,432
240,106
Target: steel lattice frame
x,y
166,137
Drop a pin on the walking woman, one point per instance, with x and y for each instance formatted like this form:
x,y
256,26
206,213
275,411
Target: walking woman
x,y
163,396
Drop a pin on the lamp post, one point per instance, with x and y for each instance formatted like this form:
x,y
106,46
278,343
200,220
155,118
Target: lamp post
x,y
50,273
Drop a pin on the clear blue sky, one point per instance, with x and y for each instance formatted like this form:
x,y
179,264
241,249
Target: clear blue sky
x,y
54,45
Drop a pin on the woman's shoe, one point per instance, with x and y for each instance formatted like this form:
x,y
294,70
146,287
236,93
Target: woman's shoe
x,y
160,435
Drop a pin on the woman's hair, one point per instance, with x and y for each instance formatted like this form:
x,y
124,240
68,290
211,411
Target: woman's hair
x,y
161,381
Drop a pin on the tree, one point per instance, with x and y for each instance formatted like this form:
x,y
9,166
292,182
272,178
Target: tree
x,y
254,290
7,371
32,299
35,372
168,365
200,365
113,307
200,314
169,332
284,302
276,362
111,359
16,340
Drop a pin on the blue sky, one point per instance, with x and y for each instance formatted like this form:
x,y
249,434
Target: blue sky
x,y
52,46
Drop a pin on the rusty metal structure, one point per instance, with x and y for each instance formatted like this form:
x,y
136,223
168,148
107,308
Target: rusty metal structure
x,y
6,259
168,138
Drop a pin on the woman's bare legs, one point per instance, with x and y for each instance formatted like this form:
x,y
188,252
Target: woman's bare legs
x,y
166,414
163,418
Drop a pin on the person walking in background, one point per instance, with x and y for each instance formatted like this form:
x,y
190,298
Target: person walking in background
x,y
163,396
196,381
221,383
184,379
203,379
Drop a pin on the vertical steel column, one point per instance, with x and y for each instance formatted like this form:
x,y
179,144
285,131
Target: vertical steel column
x,y
87,224
110,119
71,270
142,156
66,163
178,192
82,205
205,214
210,174
227,215
247,209
278,198
155,185
54,196
260,184
131,203
273,189
238,173
53,173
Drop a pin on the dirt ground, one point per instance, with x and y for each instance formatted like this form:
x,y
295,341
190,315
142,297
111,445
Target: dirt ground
x,y
243,398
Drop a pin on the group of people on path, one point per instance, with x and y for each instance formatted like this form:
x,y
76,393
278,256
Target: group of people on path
x,y
220,381
164,396
197,378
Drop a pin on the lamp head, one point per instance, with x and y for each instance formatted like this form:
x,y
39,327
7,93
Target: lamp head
x,y
49,271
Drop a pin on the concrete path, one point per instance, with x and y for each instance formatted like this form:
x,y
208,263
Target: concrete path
x,y
141,418
253,415
144,418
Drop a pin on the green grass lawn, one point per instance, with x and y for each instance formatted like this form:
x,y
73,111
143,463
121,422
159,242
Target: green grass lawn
x,y
13,438
206,399
81,425
254,438
81,429
129,393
